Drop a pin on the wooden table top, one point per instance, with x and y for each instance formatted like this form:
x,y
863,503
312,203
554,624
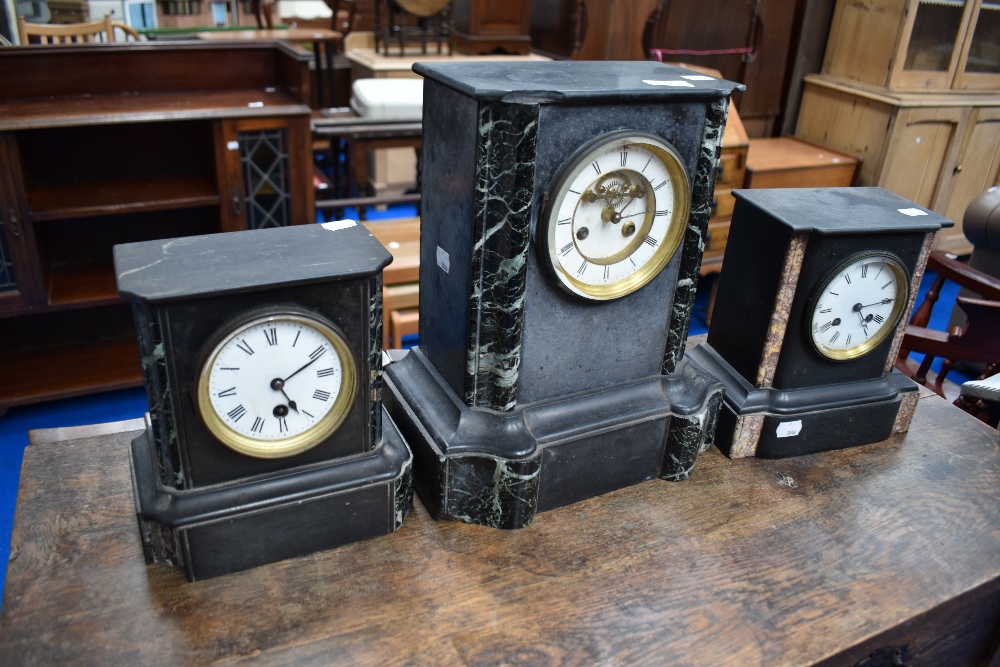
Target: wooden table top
x,y
820,559
401,237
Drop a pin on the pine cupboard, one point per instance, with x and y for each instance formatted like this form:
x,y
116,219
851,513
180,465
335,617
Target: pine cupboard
x,y
939,150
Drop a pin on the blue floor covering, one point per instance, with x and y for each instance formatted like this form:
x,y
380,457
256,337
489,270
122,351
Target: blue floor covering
x,y
131,403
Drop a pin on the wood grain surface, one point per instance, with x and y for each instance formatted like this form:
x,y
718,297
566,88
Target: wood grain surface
x,y
821,559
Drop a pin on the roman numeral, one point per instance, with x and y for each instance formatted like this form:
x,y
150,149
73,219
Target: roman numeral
x,y
665,211
864,270
879,319
258,425
583,267
607,271
324,373
227,392
237,413
566,248
574,192
317,353
879,272
271,335
643,170
835,336
650,241
826,326
847,277
624,155
834,293
297,334
229,368
887,284
827,310
243,345
662,183
282,425
848,341
564,221
596,167
321,395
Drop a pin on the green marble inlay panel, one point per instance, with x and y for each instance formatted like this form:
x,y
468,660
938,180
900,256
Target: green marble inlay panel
x,y
505,173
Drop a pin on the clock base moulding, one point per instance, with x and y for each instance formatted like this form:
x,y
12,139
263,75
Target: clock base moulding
x,y
227,528
764,421
499,468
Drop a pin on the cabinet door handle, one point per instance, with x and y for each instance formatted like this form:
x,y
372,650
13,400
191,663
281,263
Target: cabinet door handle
x,y
237,203
15,226
958,169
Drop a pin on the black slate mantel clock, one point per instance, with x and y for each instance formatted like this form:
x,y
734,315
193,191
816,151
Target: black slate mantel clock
x,y
266,437
564,210
815,291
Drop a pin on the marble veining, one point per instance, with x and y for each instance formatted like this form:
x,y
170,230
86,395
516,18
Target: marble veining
x,y
687,437
693,246
505,172
402,493
375,325
490,491
746,435
157,381
782,310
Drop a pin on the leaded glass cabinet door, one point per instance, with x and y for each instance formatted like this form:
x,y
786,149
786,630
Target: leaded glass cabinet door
x,y
18,287
266,181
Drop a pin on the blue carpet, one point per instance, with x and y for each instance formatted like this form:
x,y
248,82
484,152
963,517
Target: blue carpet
x,y
131,404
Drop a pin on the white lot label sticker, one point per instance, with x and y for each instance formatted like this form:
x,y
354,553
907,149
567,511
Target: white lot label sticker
x,y
442,259
675,83
789,429
697,77
337,225
912,212
233,145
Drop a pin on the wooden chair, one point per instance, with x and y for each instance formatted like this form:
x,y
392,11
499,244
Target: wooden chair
x,y
73,33
977,341
66,33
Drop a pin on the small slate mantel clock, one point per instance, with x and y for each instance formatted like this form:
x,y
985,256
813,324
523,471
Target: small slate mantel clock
x,y
815,291
265,437
562,228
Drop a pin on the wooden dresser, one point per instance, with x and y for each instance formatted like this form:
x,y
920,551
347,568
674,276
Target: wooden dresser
x,y
107,144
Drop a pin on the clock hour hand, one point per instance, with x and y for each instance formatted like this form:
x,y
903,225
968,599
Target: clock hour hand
x,y
279,385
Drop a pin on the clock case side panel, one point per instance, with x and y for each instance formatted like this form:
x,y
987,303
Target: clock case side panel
x,y
192,324
799,364
447,219
571,344
751,275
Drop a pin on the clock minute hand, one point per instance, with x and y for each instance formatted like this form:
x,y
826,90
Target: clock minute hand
x,y
310,363
877,303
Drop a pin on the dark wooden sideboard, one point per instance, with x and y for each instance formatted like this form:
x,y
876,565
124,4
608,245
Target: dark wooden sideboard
x,y
108,144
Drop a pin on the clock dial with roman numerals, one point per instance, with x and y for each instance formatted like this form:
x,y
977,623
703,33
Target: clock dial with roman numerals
x,y
277,385
858,305
616,215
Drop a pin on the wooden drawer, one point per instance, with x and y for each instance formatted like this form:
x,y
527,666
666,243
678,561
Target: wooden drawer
x,y
718,234
787,162
722,205
732,168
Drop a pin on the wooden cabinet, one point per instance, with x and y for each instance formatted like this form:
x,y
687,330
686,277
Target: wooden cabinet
x,y
480,27
939,150
101,145
906,45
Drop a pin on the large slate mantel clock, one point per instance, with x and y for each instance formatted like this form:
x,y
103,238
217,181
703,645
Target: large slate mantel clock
x,y
815,291
562,228
266,437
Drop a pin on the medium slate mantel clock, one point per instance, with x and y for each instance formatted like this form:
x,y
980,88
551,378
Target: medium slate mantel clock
x,y
266,437
815,291
564,210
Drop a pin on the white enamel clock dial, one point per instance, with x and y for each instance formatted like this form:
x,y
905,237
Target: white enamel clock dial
x,y
617,217
277,385
858,305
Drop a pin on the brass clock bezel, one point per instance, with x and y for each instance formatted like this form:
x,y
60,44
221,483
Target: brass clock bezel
x,y
301,442
887,330
558,191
